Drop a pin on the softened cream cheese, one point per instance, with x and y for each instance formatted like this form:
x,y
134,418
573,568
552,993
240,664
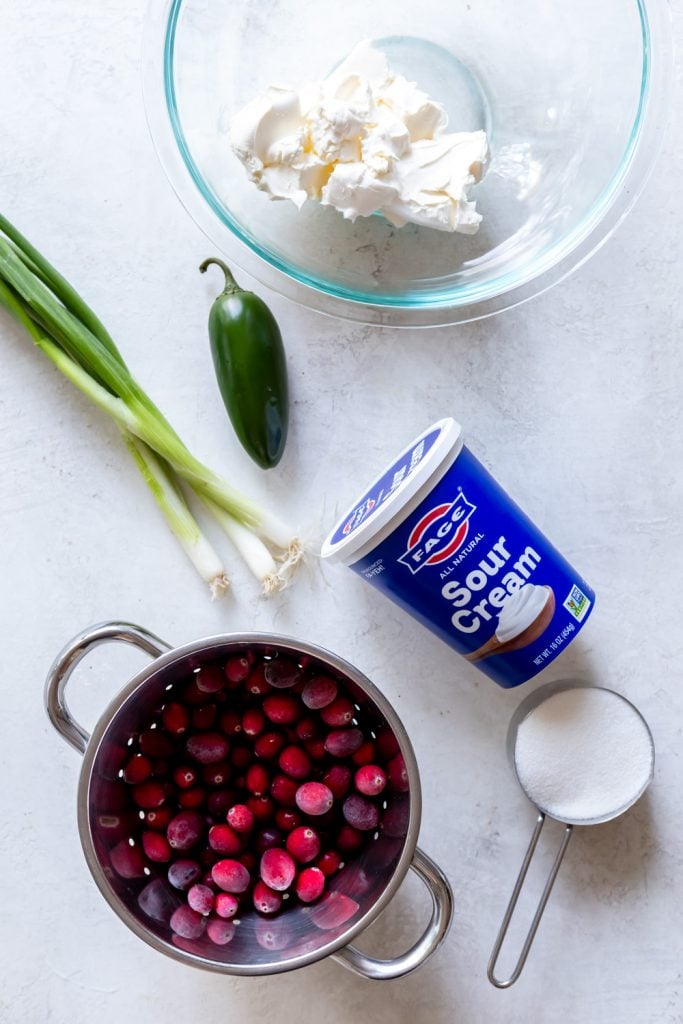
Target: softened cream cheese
x,y
364,140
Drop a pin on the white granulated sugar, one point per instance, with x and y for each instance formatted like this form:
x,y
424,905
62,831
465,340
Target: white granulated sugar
x,y
583,754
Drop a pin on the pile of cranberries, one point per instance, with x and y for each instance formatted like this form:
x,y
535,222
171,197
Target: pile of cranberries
x,y
249,788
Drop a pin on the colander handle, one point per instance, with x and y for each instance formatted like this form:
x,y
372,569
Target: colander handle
x,y
442,911
495,953
66,661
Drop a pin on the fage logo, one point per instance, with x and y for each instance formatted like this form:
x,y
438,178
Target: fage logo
x,y
439,534
358,515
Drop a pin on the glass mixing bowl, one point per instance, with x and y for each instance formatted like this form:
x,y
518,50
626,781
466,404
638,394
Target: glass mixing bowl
x,y
572,96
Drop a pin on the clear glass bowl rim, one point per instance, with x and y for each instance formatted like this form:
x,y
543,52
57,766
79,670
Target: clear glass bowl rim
x,y
469,302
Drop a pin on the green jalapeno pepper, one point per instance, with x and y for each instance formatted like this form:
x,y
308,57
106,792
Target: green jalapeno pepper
x,y
249,359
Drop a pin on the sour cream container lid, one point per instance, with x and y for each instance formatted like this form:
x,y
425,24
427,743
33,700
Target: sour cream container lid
x,y
395,492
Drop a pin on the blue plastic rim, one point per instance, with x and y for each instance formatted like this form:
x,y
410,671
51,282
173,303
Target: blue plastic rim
x,y
462,295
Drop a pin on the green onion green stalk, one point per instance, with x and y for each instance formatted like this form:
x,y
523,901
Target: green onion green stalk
x,y
69,333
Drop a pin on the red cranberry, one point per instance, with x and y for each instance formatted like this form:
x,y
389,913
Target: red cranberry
x,y
306,728
334,910
184,776
262,807
319,692
208,858
204,717
127,861
175,718
314,798
192,694
256,683
158,818
303,844
315,748
223,839
295,762
201,898
138,769
266,900
360,813
210,679
269,745
207,747
220,932
257,780
155,743
156,847
387,744
241,756
365,754
338,779
310,885
216,774
329,862
282,708
184,873
187,923
236,669
157,901
219,801
194,797
267,838
370,780
230,875
283,789
286,819
281,674
397,774
343,742
277,869
149,794
230,723
253,722
226,905
240,818
339,713
185,830
249,861
349,839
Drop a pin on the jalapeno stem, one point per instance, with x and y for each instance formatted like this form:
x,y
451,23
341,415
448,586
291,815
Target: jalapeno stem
x,y
231,285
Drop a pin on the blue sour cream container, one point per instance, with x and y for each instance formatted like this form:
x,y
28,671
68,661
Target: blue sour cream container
x,y
438,535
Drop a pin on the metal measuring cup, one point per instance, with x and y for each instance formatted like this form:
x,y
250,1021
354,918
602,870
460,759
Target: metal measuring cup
x,y
524,709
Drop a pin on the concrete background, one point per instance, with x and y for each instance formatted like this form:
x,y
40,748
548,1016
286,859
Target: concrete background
x,y
591,446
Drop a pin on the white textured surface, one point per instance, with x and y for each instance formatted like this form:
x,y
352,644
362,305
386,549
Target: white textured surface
x,y
574,401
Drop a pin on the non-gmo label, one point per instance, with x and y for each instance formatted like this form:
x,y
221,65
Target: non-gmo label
x,y
473,568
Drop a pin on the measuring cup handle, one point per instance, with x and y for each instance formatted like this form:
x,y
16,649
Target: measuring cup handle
x,y
442,911
495,953
66,661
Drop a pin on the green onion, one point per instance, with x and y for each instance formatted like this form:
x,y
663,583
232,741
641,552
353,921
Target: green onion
x,y
178,516
67,331
252,549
